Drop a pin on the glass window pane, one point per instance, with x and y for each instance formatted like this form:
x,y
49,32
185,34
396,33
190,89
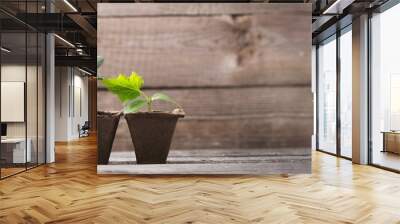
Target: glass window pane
x,y
41,98
346,94
14,153
22,88
385,93
327,96
31,97
32,87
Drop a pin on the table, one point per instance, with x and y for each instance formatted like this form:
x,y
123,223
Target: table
x,y
13,150
391,141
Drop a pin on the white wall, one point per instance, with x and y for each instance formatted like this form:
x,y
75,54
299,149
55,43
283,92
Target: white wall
x,y
62,80
80,108
16,73
70,83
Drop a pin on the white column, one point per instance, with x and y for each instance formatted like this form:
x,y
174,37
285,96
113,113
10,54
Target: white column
x,y
50,110
50,93
360,90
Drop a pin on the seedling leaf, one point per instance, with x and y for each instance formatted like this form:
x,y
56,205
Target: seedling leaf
x,y
163,97
125,88
134,105
100,61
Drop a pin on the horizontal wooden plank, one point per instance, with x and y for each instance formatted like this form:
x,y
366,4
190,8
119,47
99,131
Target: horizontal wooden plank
x,y
195,9
207,159
241,101
208,51
248,132
287,165
215,155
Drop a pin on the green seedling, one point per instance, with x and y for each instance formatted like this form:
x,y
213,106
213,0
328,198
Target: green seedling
x,y
128,90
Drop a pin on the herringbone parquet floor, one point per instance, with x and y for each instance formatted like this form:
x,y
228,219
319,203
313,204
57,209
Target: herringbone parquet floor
x,y
70,191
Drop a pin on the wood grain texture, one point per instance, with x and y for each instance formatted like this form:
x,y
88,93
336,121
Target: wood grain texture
x,y
214,154
218,51
286,165
231,118
196,9
232,101
243,133
215,161
231,132
70,191
240,71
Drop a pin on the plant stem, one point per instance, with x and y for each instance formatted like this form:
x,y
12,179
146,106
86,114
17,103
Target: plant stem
x,y
149,106
148,100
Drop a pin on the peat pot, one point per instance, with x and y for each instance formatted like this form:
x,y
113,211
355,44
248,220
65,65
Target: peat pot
x,y
107,123
151,134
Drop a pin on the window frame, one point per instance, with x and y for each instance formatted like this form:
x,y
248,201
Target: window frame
x,y
334,37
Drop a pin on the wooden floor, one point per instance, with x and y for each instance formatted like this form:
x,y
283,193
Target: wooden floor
x,y
70,191
11,170
386,159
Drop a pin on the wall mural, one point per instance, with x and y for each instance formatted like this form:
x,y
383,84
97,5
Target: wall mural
x,y
204,88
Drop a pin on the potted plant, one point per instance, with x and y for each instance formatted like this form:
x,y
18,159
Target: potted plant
x,y
151,131
107,123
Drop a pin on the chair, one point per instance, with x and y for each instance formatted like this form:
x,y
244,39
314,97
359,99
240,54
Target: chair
x,y
84,130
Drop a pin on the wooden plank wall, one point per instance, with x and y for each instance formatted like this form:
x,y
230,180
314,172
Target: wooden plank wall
x,y
241,71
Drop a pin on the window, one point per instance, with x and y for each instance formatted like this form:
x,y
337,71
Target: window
x,y
346,92
22,88
327,95
385,89
333,137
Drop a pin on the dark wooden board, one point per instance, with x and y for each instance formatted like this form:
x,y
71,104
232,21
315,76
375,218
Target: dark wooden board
x,y
274,131
266,117
231,101
211,161
285,165
218,51
214,155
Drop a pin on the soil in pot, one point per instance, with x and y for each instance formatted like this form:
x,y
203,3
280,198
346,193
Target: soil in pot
x,y
107,123
152,134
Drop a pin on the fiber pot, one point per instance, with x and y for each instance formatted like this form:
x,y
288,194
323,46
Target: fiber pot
x,y
107,123
151,134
